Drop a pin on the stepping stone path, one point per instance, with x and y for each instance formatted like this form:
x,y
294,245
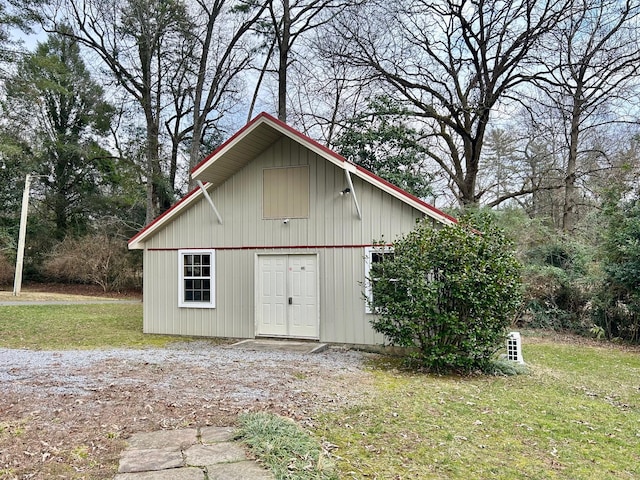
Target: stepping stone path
x,y
207,453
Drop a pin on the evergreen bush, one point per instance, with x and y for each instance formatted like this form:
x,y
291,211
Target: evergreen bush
x,y
616,308
557,287
450,293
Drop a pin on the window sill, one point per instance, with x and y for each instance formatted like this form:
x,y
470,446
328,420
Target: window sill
x,y
196,305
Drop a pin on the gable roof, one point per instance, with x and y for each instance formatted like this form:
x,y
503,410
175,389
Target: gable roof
x,y
251,140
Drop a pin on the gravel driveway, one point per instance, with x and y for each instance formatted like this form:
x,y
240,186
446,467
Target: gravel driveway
x,y
66,414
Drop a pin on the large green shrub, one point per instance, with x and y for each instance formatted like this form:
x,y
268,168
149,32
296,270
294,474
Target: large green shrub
x,y
617,305
560,272
450,293
558,284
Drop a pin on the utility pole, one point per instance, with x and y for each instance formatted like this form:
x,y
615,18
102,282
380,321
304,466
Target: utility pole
x,y
17,283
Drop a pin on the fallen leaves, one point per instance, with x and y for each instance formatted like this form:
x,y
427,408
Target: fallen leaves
x,y
115,398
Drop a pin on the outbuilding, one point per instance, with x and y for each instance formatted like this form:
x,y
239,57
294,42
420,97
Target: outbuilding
x,y
276,241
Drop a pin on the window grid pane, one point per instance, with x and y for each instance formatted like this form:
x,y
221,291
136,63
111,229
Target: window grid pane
x,y
197,277
374,257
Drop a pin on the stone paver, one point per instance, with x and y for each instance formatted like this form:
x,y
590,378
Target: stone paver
x,y
163,439
150,460
200,455
188,454
173,474
238,471
280,345
216,434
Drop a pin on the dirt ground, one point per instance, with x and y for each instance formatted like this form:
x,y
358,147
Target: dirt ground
x,y
68,414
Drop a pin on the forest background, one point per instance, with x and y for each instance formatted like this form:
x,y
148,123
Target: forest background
x,y
526,108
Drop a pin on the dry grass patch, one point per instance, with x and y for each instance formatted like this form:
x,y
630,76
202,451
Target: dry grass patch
x,y
48,297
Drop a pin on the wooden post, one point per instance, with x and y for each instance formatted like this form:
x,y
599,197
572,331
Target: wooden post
x,y
17,282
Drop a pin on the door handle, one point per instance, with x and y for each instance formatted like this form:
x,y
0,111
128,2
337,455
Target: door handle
x,y
290,300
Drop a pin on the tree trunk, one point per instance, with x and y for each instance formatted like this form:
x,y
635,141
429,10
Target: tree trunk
x,y
569,212
194,149
472,150
254,99
152,171
283,62
148,48
153,164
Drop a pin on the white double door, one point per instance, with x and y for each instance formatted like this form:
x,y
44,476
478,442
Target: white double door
x,y
287,296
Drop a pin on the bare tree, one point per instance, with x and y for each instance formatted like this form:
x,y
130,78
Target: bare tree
x,y
453,62
220,57
289,20
328,92
607,160
592,62
131,39
523,164
502,156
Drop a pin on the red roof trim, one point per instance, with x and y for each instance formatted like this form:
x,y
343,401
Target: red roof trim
x,y
329,152
231,139
164,214
305,138
295,133
406,194
280,124
340,158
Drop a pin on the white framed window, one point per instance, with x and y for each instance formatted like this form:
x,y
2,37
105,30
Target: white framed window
x,y
197,280
373,255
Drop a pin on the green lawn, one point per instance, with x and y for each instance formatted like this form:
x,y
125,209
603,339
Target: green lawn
x,y
576,416
67,327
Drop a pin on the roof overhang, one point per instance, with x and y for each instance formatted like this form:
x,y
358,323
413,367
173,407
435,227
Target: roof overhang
x,y
249,142
253,139
137,241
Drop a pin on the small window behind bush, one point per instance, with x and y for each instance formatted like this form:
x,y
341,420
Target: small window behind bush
x,y
373,256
